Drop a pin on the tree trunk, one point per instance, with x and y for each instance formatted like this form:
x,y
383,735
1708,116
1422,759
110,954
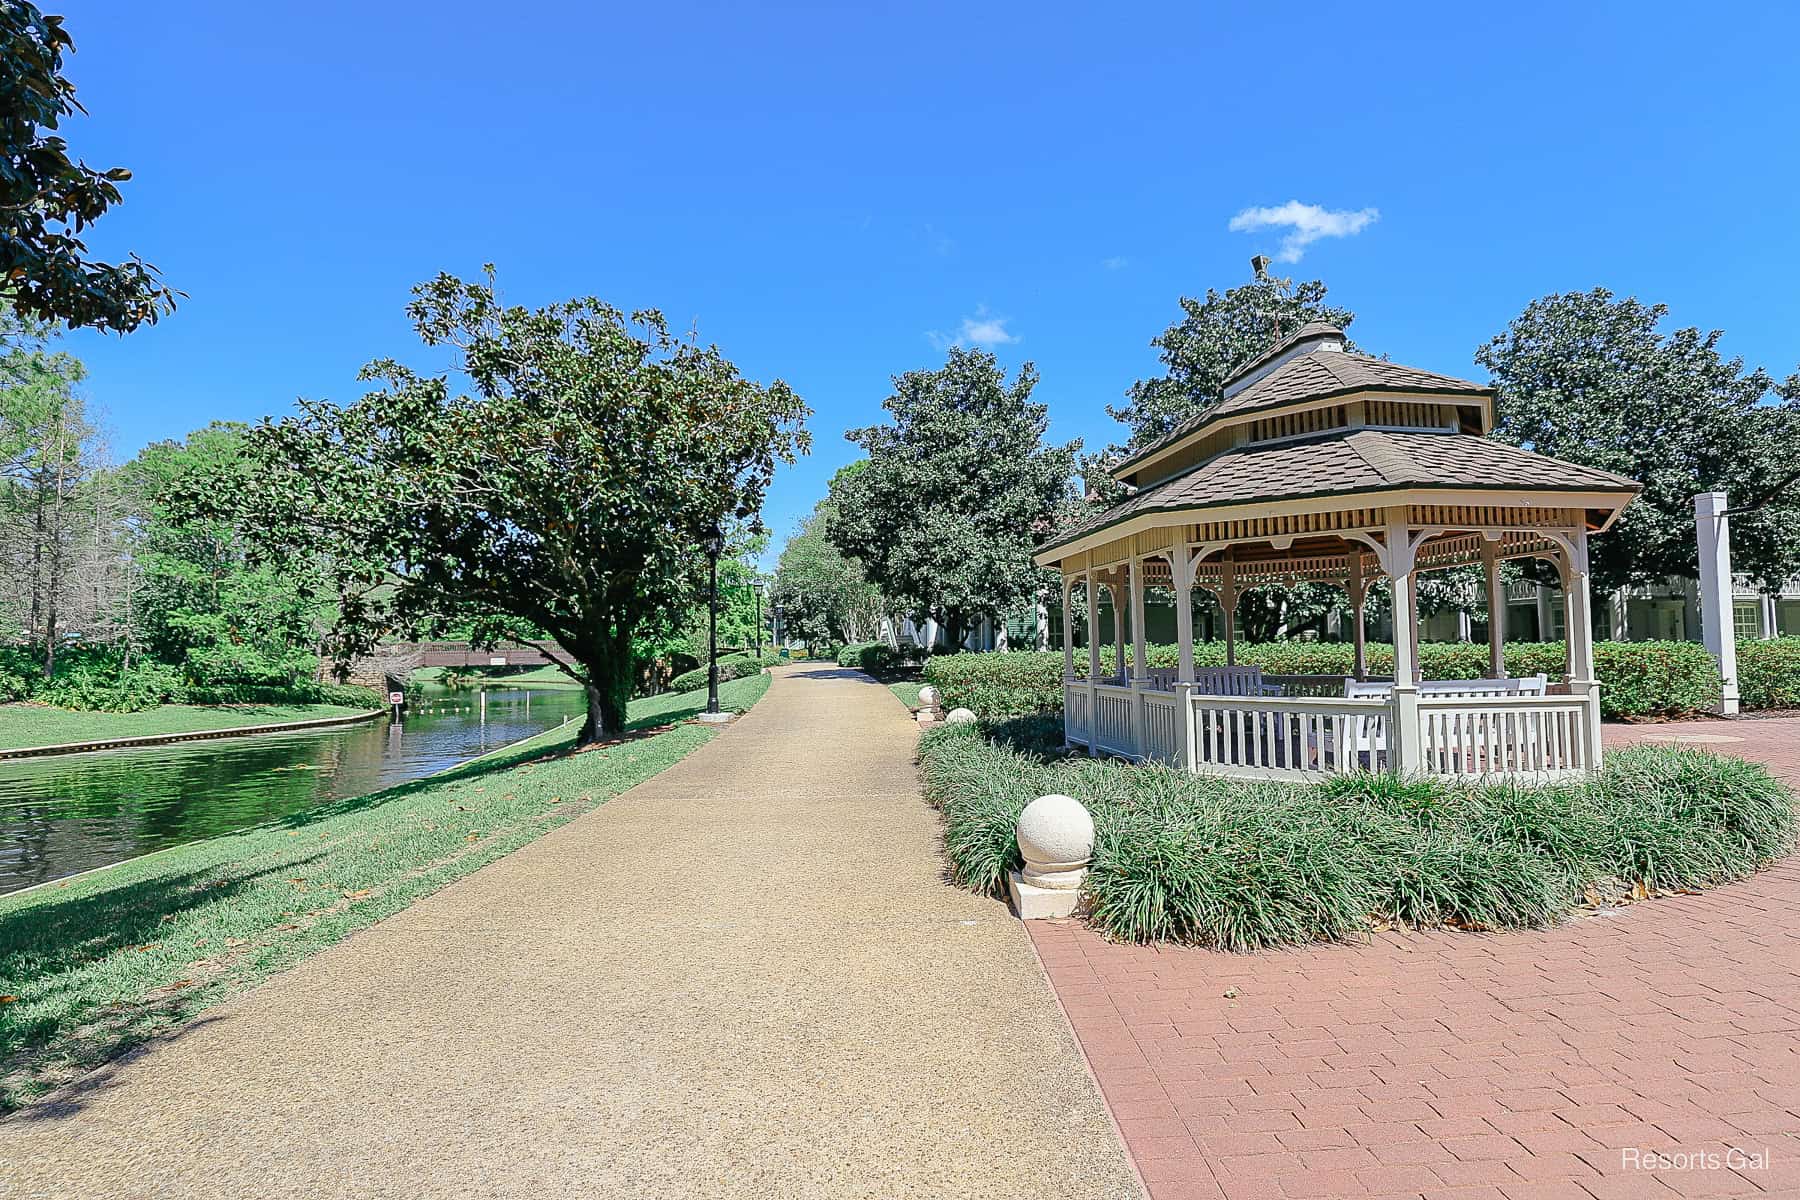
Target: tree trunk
x,y
608,687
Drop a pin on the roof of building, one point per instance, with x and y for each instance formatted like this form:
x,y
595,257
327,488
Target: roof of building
x,y
1317,375
1348,461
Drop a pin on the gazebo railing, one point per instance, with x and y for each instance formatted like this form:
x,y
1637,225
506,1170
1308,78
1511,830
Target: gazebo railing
x,y
1539,737
1298,737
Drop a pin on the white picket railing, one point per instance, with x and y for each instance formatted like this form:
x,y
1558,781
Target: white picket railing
x,y
1308,736
1115,727
1286,737
1540,737
1075,711
1162,726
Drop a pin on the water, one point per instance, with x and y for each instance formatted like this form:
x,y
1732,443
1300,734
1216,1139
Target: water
x,y
68,813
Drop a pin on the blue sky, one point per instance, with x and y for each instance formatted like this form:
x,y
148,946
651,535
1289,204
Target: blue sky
x,y
830,192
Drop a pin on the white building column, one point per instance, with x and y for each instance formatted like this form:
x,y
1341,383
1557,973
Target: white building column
x,y
1712,529
1358,587
1093,679
1119,604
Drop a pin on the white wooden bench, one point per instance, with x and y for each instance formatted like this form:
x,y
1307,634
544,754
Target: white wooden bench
x,y
1369,735
1219,681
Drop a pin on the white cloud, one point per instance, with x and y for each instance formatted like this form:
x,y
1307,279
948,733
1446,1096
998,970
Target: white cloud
x,y
1306,223
1116,262
983,329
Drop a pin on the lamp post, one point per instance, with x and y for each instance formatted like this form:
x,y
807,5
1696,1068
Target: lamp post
x,y
715,542
756,590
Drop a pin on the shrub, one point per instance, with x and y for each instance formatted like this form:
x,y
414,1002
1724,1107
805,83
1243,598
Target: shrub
x,y
1204,860
873,657
1769,672
731,666
1637,679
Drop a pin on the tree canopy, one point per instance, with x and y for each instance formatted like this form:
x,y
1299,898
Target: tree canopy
x,y
825,596
571,490
49,198
1593,379
1213,337
959,488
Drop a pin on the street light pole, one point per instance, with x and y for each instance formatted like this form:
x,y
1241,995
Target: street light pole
x,y
713,546
756,589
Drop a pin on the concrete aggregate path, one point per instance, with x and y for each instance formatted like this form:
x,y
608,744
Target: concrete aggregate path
x,y
743,978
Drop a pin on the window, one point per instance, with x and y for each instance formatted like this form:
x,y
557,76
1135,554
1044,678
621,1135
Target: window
x,y
1746,619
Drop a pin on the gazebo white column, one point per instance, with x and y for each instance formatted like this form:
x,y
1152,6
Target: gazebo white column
x,y
1182,563
1358,587
1093,640
1398,554
1068,616
1228,598
1140,661
1119,603
1496,602
1578,630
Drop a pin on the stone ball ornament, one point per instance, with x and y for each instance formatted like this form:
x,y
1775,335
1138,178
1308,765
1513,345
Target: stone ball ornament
x,y
928,696
960,716
1056,837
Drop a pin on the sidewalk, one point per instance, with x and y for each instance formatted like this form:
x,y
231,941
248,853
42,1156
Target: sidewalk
x,y
743,978
1553,1063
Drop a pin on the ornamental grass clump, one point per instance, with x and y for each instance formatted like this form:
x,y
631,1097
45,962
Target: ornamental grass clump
x,y
1236,865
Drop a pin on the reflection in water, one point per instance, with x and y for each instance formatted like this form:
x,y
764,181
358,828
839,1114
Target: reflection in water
x,y
69,813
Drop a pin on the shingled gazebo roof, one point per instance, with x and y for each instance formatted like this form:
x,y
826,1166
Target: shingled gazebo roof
x,y
1309,419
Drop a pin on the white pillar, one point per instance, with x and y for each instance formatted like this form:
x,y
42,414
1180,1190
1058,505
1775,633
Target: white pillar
x,y
1358,588
1713,531
1578,626
1403,721
1464,626
1119,605
1228,599
1496,602
1182,565
1043,625
1093,627
1766,624
1068,623
1140,659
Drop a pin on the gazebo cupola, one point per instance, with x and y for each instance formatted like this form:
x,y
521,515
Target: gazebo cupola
x,y
1326,465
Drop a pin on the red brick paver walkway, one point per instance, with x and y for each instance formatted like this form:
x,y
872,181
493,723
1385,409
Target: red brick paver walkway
x,y
1554,1063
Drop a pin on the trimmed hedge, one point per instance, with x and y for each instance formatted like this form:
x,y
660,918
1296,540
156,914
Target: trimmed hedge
x,y
1637,679
731,666
1769,672
873,657
1209,861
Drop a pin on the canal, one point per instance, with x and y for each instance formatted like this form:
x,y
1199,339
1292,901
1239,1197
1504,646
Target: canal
x,y
70,813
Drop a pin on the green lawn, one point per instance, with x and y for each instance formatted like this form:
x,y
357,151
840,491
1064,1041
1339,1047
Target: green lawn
x,y
24,725
101,962
908,691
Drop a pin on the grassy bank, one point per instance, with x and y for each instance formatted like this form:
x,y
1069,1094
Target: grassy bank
x,y
1241,866
24,725
101,962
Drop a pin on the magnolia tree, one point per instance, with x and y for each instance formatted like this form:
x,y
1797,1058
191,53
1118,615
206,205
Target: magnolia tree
x,y
1594,380
49,197
570,491
958,490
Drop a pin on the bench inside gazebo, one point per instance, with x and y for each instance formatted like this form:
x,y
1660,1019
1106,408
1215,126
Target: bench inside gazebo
x,y
1326,466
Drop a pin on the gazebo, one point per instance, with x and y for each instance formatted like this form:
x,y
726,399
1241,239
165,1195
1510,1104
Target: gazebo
x,y
1324,465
